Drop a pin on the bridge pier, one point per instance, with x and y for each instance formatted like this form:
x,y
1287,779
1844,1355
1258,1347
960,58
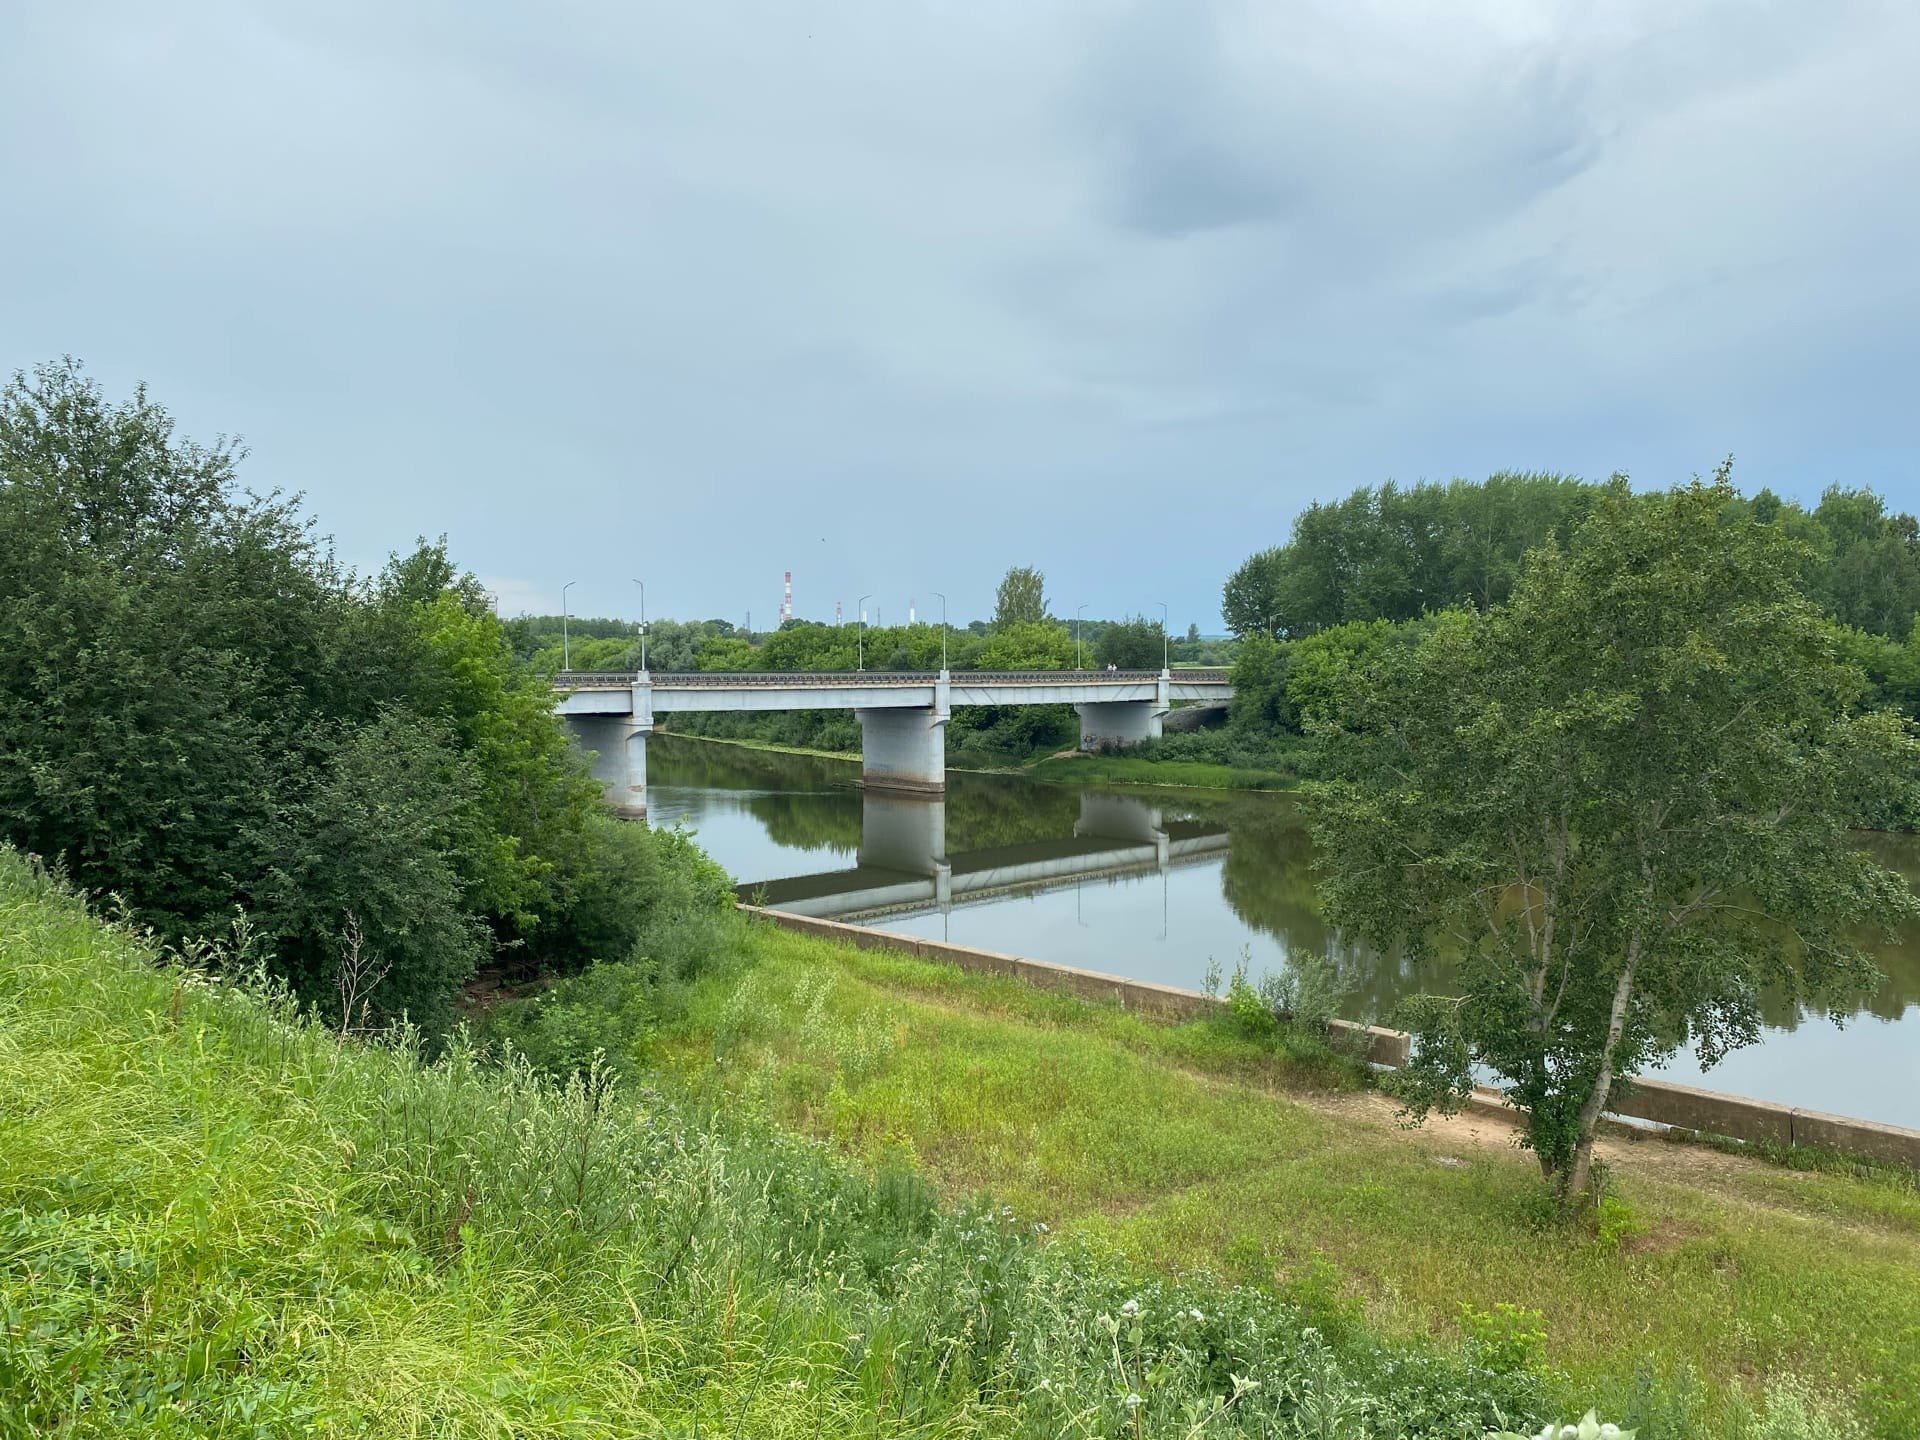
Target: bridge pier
x,y
1125,722
904,750
617,751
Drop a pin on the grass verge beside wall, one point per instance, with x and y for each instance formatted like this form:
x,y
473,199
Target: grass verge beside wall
x,y
1189,1145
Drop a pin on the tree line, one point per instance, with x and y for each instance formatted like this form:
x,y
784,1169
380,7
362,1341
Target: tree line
x,y
204,714
1394,553
1369,571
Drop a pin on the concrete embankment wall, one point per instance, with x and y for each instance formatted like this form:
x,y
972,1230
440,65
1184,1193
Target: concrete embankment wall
x,y
1658,1101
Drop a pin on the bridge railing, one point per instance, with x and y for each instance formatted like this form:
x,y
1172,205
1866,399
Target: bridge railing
x,y
715,679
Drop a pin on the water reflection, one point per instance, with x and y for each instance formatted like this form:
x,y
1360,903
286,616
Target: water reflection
x,y
1157,885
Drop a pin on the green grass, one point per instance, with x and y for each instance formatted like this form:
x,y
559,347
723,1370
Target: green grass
x,y
1136,770
1188,1146
218,1219
769,746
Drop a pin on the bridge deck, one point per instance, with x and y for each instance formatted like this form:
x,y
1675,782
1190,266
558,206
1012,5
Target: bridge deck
x,y
602,692
784,679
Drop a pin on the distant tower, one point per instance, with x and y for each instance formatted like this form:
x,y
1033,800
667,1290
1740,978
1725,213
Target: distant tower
x,y
836,614
786,600
910,609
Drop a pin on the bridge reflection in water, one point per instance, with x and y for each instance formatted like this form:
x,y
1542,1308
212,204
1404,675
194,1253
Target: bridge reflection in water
x,y
904,867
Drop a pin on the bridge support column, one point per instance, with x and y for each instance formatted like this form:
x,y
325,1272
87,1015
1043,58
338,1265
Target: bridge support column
x,y
618,752
904,750
1123,722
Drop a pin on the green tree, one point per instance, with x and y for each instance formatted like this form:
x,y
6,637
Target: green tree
x,y
1027,645
1623,799
1250,602
1390,553
1133,644
1259,702
1871,578
198,709
1321,667
1021,598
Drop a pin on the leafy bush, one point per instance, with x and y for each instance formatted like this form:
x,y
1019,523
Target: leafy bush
x,y
1506,1338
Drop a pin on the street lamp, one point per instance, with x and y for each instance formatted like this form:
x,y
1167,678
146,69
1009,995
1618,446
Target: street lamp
x,y
943,628
1078,611
643,625
860,635
566,640
1165,651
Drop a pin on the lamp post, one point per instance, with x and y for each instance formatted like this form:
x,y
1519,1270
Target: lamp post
x,y
1166,652
566,639
860,634
943,628
1078,611
643,625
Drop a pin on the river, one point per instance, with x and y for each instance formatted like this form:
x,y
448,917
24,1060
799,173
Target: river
x,y
1159,885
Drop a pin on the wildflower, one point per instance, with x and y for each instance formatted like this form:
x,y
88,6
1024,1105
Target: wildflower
x,y
1130,1309
1197,1317
1133,1401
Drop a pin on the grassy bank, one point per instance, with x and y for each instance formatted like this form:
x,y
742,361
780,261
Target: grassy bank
x,y
220,1219
1196,1146
1219,758
1138,770
769,746
217,1218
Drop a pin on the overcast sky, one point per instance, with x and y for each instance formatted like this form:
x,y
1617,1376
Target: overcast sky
x,y
896,294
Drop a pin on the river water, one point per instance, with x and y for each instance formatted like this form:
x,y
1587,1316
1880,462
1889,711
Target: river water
x,y
1158,885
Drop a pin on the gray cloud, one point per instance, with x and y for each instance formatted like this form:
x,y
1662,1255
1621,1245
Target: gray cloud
x,y
894,296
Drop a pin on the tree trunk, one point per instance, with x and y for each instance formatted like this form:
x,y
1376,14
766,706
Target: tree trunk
x,y
1580,1173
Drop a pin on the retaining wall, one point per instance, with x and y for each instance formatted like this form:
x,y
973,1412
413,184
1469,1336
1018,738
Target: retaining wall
x,y
1659,1101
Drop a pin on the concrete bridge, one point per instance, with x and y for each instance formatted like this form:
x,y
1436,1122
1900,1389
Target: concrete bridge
x,y
903,866
903,715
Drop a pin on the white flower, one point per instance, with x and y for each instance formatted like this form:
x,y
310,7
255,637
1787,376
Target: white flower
x,y
1569,1432
1197,1317
1609,1431
1130,1309
1134,1402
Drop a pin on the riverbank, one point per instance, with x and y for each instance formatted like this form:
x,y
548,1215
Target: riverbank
x,y
1194,1146
1072,768
1084,769
219,1217
767,746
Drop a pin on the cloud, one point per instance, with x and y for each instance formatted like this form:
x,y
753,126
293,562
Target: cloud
x,y
611,289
